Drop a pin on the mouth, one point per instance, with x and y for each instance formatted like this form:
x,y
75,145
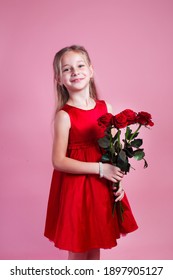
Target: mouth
x,y
77,80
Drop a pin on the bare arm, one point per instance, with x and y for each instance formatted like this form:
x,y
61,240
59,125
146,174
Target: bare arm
x,y
59,159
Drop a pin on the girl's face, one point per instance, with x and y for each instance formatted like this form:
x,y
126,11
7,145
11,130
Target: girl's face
x,y
75,71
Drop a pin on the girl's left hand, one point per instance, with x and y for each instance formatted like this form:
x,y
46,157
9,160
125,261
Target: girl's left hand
x,y
118,193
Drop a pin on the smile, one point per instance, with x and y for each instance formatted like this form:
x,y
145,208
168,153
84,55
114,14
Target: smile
x,y
77,80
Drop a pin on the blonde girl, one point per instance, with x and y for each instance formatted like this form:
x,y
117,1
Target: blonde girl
x,y
79,213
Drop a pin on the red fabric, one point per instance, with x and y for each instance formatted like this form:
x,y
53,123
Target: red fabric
x,y
79,213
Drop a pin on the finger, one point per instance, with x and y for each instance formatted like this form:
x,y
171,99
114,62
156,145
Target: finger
x,y
119,178
120,174
118,169
114,180
119,192
120,189
120,197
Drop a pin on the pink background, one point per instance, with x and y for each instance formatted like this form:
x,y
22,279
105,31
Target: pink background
x,y
130,43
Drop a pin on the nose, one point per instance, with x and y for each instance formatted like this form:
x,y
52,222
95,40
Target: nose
x,y
75,72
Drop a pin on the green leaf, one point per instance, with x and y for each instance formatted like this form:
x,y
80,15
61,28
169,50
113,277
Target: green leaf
x,y
104,142
116,147
105,158
122,161
112,149
136,143
139,154
129,151
108,131
128,133
122,155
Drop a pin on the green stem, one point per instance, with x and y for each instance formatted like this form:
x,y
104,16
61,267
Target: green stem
x,y
115,203
111,146
119,140
119,205
134,133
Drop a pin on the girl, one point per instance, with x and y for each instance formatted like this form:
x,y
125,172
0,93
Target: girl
x,y
79,214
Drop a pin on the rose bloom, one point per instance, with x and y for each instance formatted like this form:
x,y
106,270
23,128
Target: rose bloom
x,y
105,120
131,116
120,120
144,118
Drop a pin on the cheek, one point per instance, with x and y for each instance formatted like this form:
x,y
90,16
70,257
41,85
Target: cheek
x,y
88,73
63,79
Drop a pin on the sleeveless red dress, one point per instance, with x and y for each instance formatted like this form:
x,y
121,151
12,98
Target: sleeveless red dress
x,y
79,212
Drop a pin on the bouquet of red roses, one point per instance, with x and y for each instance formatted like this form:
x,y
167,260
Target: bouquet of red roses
x,y
118,151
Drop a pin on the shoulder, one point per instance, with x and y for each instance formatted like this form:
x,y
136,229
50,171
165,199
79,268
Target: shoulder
x,y
109,107
62,118
105,105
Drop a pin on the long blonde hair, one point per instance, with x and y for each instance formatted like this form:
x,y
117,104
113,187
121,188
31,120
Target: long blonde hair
x,y
61,91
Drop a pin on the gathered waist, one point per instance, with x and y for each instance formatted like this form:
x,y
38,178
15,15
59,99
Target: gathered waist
x,y
82,145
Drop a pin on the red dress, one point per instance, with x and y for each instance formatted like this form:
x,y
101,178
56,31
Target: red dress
x,y
79,212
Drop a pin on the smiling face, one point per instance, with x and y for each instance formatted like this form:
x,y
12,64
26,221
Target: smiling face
x,y
75,71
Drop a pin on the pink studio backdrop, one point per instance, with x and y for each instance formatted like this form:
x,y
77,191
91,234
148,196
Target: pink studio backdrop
x,y
130,43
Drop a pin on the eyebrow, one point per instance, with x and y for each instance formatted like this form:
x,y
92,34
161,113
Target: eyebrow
x,y
69,64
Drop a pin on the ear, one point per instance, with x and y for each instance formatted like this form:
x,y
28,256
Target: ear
x,y
91,71
58,80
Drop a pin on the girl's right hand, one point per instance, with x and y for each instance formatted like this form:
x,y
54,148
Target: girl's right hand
x,y
112,173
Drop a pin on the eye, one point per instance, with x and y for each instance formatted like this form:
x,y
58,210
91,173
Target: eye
x,y
81,65
66,69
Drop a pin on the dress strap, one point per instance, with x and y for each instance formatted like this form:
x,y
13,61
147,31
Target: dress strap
x,y
101,104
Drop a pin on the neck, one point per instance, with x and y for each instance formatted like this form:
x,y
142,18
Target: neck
x,y
81,102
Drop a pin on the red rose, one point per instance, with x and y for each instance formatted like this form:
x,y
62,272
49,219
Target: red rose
x,y
120,120
105,120
131,116
144,118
